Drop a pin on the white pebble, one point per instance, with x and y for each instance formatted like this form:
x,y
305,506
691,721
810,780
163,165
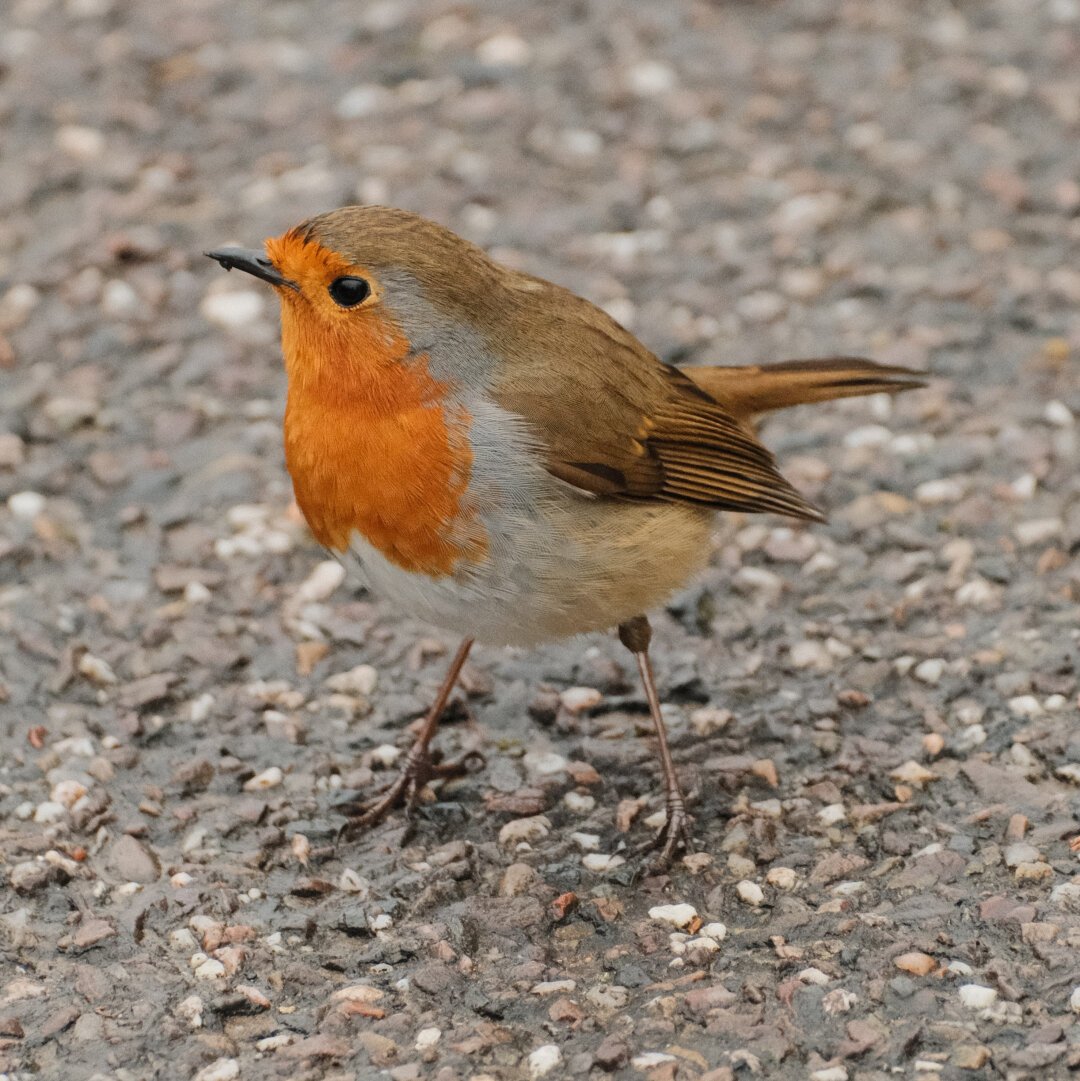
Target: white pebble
x,y
976,997
524,830
750,893
600,863
382,922
716,931
579,699
783,878
1025,705
504,50
814,976
49,812
200,708
362,680
830,1073
96,670
210,969
1074,1000
579,802
650,77
321,582
427,1037
222,1069
1059,414
553,987
190,1010
761,306
587,842
119,300
385,755
180,880
82,143
936,492
67,793
543,763
930,671
707,721
544,1059
1038,531
676,915
832,814
26,505
868,435
650,1060
232,310
269,778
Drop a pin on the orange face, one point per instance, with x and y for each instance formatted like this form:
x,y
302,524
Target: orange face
x,y
372,440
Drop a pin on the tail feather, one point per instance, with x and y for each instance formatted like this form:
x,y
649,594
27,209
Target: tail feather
x,y
748,392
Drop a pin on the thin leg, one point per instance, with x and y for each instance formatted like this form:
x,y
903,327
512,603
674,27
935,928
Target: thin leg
x,y
636,634
418,768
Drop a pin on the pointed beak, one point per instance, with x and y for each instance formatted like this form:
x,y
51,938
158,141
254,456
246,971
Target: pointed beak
x,y
251,262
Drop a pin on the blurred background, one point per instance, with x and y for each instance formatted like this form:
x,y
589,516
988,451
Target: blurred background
x,y
735,180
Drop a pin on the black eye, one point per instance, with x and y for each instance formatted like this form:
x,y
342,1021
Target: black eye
x,y
349,291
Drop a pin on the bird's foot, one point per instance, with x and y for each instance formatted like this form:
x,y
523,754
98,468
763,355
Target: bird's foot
x,y
674,835
410,787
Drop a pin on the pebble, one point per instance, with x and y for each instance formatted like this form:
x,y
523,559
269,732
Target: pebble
x,y
232,310
1038,531
1058,414
132,862
505,50
1025,705
544,763
976,997
554,987
832,814
587,842
1021,852
912,773
209,969
1074,1000
427,1038
750,893
783,878
26,505
222,1069
579,699
929,671
29,876
649,78
524,830
708,721
543,1060
934,493
361,680
830,1073
268,778
321,583
82,143
676,915
650,1060
50,812
191,1011
600,863
918,964
579,802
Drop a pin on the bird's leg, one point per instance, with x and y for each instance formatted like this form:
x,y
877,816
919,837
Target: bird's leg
x,y
419,768
636,634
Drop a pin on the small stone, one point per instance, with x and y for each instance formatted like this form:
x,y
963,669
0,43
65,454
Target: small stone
x,y
1026,705
28,877
580,699
830,1073
918,964
132,862
811,653
587,842
190,1011
976,997
601,863
1074,1000
361,680
970,1056
783,878
427,1038
554,987
579,802
675,915
49,812
524,830
505,50
543,763
708,721
518,879
321,582
543,1060
832,814
26,505
650,1060
913,773
1038,531
941,490
268,778
222,1069
929,671
80,142
1033,872
1021,852
716,931
750,893
210,969
814,976
91,932
1059,414
649,78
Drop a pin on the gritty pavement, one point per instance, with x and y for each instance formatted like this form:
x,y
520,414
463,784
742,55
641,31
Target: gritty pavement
x,y
878,717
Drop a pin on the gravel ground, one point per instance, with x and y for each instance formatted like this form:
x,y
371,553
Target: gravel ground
x,y
877,716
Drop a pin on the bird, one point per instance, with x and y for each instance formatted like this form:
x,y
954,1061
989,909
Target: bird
x,y
497,456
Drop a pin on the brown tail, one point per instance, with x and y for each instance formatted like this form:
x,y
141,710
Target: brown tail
x,y
750,391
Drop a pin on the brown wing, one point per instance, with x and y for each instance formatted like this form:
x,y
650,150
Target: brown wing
x,y
618,422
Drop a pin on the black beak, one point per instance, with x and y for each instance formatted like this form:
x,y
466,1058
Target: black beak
x,y
251,262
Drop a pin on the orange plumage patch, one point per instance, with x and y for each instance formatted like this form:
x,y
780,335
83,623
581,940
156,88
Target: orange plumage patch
x,y
371,442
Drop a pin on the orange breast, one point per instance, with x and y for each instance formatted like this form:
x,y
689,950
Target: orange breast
x,y
373,446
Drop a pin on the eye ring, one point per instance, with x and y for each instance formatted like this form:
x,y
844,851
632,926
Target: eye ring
x,y
349,290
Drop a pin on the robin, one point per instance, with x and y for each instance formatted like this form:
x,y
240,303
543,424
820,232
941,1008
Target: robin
x,y
499,457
